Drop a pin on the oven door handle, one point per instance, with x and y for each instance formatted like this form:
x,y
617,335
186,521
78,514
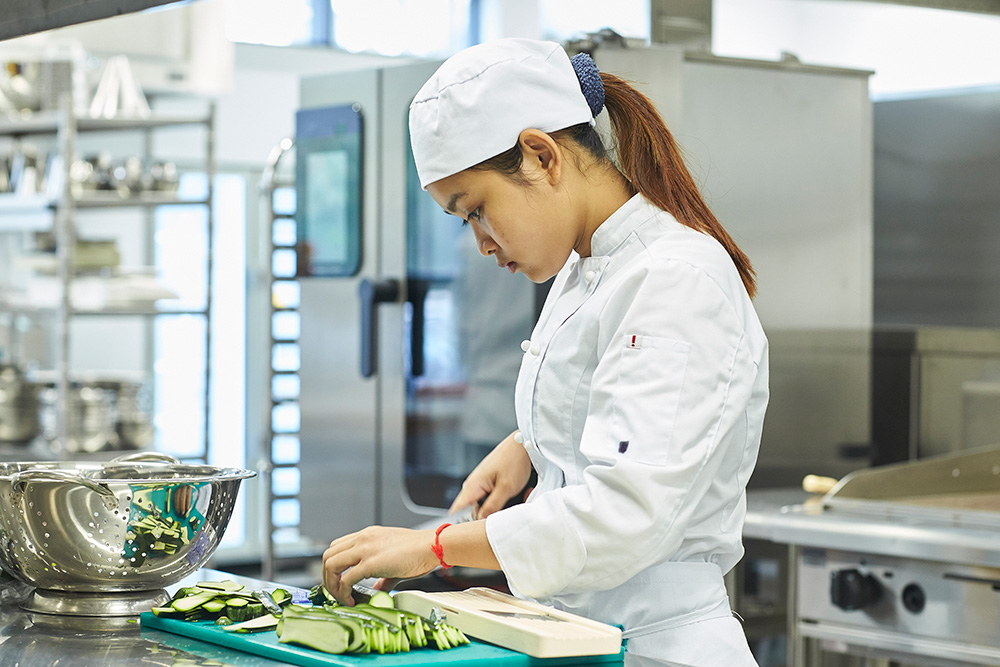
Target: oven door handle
x,y
416,296
372,293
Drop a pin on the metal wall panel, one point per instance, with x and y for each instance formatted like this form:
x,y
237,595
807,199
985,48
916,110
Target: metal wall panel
x,y
937,204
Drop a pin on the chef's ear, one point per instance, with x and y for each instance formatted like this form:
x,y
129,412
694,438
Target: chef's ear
x,y
542,156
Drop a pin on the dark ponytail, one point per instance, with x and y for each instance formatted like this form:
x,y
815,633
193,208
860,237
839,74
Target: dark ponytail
x,y
650,159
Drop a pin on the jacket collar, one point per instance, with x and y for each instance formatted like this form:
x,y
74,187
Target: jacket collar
x,y
613,231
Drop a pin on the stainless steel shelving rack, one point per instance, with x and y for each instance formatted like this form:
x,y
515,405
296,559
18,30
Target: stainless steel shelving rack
x,y
56,211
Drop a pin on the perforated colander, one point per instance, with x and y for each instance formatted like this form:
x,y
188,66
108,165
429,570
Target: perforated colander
x,y
95,537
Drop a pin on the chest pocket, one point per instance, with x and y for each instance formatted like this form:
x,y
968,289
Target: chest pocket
x,y
646,396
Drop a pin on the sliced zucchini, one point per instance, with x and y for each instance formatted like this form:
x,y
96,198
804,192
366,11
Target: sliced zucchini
x,y
318,595
214,606
325,635
227,586
258,624
281,596
192,601
167,612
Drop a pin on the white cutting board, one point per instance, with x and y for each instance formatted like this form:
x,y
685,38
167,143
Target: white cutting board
x,y
520,625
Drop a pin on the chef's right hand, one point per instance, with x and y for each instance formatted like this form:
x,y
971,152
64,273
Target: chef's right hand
x,y
498,478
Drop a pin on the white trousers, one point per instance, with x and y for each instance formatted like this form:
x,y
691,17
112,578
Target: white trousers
x,y
714,642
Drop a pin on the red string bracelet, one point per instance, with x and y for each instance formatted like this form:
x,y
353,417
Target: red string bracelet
x,y
437,548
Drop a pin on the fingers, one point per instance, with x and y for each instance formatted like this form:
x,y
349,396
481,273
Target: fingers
x,y
339,573
471,493
463,500
385,584
493,503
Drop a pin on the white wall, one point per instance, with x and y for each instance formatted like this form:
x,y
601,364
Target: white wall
x,y
258,109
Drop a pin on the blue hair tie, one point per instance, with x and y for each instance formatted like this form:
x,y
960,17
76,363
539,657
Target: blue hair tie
x,y
590,81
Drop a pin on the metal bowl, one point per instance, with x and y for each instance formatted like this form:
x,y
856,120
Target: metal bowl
x,y
106,538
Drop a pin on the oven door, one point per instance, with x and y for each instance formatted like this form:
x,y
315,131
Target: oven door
x,y
449,353
409,354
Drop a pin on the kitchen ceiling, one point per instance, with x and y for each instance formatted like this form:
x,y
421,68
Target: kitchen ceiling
x,y
976,6
23,17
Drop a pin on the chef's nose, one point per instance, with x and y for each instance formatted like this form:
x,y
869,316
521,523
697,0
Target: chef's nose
x,y
486,244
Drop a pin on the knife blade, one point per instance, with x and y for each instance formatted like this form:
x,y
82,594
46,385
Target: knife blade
x,y
265,599
461,516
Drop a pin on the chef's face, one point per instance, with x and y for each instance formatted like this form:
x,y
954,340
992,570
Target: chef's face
x,y
526,225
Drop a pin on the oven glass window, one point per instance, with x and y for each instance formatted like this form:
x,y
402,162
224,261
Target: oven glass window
x,y
328,182
466,320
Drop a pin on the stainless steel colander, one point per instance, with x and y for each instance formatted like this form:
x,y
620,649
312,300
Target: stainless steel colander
x,y
106,538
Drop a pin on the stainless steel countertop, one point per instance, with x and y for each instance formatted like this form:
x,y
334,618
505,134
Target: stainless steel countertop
x,y
42,640
791,516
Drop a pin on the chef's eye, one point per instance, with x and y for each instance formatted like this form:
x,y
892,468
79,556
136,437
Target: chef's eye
x,y
472,216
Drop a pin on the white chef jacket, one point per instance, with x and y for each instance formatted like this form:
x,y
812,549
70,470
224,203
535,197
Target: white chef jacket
x,y
640,401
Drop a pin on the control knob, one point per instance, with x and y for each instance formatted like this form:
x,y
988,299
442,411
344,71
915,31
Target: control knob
x,y
914,598
851,590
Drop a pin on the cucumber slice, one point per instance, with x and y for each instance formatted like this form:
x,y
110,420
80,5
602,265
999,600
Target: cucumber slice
x,y
323,635
214,606
367,595
227,586
258,624
184,592
167,612
281,596
390,616
318,595
192,601
382,600
357,643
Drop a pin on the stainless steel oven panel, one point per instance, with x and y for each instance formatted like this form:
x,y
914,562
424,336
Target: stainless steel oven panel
x,y
338,407
399,86
900,648
961,604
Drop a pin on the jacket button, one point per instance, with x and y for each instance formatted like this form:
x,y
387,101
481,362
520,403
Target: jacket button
x,y
590,276
530,348
525,345
519,438
529,445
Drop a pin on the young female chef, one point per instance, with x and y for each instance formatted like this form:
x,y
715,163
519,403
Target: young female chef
x,y
641,394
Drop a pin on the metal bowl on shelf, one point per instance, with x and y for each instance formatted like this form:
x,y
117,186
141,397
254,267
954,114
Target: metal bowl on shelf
x,y
104,413
104,539
19,406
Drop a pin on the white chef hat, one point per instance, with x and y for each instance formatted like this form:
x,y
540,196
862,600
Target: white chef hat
x,y
480,100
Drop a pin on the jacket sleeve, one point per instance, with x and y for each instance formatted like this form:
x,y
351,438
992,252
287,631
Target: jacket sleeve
x,y
664,441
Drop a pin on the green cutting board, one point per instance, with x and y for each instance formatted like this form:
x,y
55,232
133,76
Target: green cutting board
x,y
265,644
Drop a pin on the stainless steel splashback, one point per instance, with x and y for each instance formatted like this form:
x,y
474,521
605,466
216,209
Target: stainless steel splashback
x,y
818,416
846,399
936,168
935,390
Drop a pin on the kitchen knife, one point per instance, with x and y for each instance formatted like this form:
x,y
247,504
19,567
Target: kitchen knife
x,y
461,516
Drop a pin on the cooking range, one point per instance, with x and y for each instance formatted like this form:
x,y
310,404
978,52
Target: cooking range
x,y
899,561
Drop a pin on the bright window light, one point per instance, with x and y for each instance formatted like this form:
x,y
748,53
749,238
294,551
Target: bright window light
x,y
268,22
910,49
561,20
398,27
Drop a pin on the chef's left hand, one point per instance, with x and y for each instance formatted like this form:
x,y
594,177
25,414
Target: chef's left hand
x,y
376,551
